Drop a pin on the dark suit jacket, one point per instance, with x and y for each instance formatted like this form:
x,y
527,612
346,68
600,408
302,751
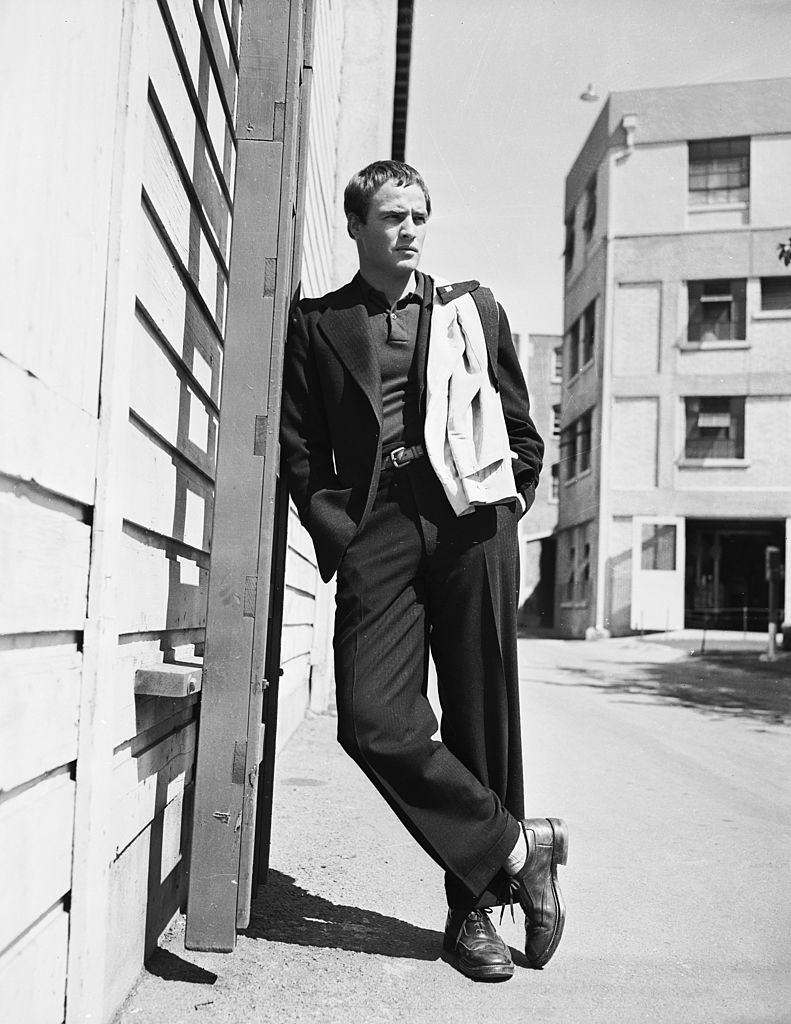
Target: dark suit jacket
x,y
332,412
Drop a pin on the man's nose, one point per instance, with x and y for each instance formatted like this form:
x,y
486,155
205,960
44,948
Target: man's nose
x,y
408,227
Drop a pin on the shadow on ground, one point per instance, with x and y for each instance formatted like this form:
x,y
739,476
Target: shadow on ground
x,y
283,912
166,965
726,684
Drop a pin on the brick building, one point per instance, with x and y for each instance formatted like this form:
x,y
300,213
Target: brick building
x,y
677,360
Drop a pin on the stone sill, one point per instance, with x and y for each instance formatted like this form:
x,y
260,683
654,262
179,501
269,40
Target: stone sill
x,y
713,464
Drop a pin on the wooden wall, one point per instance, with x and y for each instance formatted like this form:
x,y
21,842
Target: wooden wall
x,y
308,611
110,365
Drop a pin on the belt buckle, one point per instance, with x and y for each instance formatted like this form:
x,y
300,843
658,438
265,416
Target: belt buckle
x,y
394,457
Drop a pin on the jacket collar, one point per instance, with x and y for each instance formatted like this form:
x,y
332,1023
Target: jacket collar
x,y
345,326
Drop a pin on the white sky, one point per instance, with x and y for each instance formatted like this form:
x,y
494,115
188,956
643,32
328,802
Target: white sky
x,y
495,121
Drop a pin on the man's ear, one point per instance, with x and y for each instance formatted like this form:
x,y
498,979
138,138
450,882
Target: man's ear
x,y
353,225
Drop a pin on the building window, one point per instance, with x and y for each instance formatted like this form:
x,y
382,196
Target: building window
x,y
573,343
588,334
719,171
716,310
589,223
556,421
575,446
557,363
582,340
585,568
776,293
658,547
715,428
576,585
568,252
554,493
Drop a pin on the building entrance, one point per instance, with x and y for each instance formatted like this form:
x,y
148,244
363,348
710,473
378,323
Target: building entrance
x,y
725,583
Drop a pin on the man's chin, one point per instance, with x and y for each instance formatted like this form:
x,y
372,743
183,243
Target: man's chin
x,y
407,260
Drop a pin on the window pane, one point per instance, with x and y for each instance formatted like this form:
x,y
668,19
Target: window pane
x,y
776,292
715,428
658,547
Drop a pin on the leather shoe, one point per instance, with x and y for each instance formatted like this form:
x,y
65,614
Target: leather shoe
x,y
476,948
536,887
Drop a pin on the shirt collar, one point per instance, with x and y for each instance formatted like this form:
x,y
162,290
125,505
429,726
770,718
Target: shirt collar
x,y
376,298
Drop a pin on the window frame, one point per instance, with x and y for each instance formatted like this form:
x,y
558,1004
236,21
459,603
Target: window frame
x,y
704,295
576,447
776,308
720,169
569,243
711,447
589,222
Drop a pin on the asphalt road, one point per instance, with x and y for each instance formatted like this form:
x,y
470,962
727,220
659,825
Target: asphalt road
x,y
673,773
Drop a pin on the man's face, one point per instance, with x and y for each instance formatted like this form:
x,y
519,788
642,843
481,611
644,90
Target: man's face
x,y
390,242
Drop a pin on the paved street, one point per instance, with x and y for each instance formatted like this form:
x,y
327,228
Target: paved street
x,y
673,773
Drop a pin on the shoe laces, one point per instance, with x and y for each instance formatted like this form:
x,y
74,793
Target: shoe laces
x,y
512,885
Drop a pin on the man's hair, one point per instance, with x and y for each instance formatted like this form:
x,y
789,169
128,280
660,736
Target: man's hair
x,y
365,183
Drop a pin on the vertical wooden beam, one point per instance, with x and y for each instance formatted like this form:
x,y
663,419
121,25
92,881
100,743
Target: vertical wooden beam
x,y
233,683
94,797
264,807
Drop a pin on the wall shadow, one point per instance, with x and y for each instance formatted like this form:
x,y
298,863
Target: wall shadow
x,y
284,912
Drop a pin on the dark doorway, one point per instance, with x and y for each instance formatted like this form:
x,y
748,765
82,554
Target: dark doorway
x,y
725,583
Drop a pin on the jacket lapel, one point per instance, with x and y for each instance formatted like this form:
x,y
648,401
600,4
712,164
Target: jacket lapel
x,y
347,330
421,342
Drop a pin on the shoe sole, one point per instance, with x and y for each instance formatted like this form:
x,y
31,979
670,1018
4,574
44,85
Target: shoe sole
x,y
560,855
491,972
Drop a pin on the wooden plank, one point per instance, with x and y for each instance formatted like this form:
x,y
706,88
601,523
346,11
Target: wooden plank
x,y
181,219
300,573
35,851
176,311
274,507
166,401
231,698
298,608
293,698
44,553
40,955
56,209
147,884
296,641
299,538
182,110
163,494
187,31
168,680
39,711
219,47
91,910
262,73
46,438
144,785
139,716
158,589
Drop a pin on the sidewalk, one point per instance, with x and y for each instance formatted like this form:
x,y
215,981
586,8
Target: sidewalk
x,y
669,769
364,951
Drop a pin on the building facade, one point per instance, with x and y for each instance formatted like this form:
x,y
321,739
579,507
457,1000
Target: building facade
x,y
541,358
676,409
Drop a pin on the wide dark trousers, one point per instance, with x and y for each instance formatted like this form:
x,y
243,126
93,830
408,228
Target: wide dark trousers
x,y
416,575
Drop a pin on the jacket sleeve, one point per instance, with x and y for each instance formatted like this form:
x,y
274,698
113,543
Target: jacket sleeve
x,y
525,440
305,445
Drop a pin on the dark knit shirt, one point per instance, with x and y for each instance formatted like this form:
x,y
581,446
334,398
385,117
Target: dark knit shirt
x,y
394,330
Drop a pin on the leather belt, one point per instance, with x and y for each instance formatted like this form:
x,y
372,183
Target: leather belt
x,y
401,456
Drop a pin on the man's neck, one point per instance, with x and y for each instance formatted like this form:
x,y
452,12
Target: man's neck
x,y
392,289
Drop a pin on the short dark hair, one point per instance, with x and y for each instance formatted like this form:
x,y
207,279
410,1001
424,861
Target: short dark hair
x,y
365,183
